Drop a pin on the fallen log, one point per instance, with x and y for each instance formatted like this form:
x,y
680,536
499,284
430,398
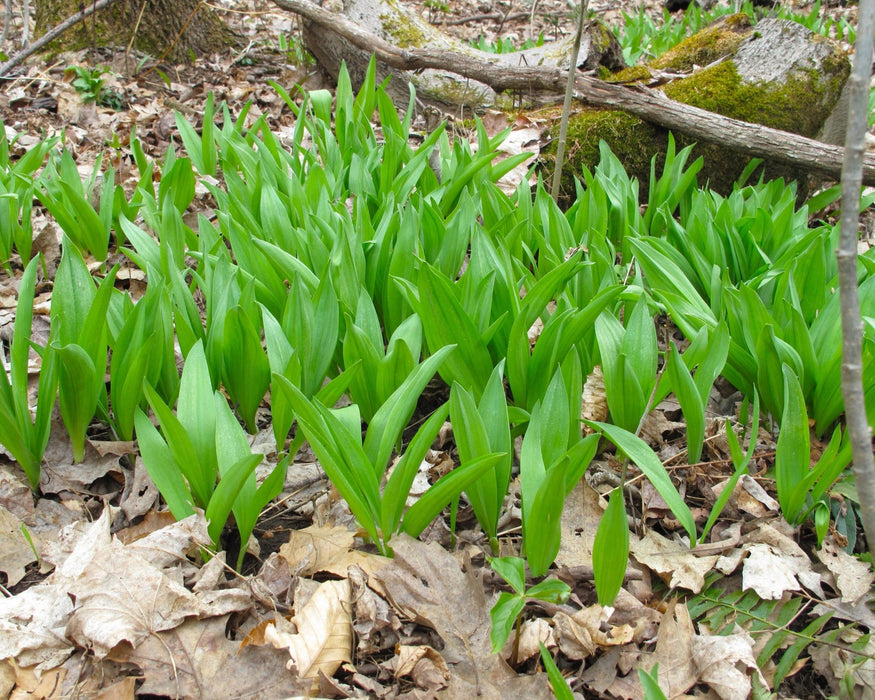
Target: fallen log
x,y
750,139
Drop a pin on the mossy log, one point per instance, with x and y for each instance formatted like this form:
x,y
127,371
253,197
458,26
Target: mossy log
x,y
808,154
174,30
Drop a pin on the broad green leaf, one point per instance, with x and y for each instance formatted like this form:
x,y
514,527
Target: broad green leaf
x,y
390,420
398,485
554,675
226,493
551,590
542,521
448,487
691,402
793,450
504,615
78,398
610,552
645,458
162,467
512,570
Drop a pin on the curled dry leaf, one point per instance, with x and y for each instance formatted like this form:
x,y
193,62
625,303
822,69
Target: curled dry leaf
x,y
323,640
673,562
677,672
326,548
726,663
582,634
853,578
424,665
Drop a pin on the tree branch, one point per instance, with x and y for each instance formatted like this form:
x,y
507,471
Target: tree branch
x,y
852,325
53,33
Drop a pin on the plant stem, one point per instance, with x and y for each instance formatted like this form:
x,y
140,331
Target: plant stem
x,y
566,105
852,325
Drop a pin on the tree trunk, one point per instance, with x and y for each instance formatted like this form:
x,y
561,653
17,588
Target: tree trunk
x,y
172,30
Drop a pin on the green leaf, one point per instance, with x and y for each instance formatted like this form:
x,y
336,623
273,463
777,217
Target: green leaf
x,y
688,396
647,461
551,590
512,570
246,367
390,420
78,398
504,615
542,521
223,498
610,552
793,450
554,675
650,683
448,487
398,485
162,467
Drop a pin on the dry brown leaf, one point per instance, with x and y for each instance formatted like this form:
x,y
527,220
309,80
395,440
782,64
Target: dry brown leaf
x,y
425,666
424,583
718,659
853,577
376,625
197,660
775,563
15,551
323,640
326,548
533,633
677,672
582,634
580,520
673,562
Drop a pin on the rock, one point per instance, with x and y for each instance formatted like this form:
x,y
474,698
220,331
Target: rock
x,y
778,74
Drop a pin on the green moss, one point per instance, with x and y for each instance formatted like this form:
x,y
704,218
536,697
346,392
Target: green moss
x,y
799,105
405,35
632,140
703,48
631,74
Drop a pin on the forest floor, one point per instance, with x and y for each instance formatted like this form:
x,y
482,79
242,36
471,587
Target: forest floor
x,y
113,606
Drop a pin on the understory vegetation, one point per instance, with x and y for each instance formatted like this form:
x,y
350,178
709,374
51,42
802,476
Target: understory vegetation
x,y
366,291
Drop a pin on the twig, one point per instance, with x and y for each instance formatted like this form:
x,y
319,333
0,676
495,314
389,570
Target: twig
x,y
50,35
495,16
566,105
852,325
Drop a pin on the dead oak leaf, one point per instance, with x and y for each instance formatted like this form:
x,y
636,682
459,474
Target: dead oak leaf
x,y
197,660
425,583
726,664
672,561
853,578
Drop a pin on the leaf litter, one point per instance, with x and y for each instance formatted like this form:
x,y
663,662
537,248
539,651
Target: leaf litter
x,y
98,606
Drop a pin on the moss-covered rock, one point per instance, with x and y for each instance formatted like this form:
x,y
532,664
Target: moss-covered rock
x,y
779,75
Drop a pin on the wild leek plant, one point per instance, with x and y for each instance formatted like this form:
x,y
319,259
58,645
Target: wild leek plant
x,y
68,200
481,428
629,363
382,370
550,466
143,349
25,438
16,197
200,444
801,487
357,468
79,338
